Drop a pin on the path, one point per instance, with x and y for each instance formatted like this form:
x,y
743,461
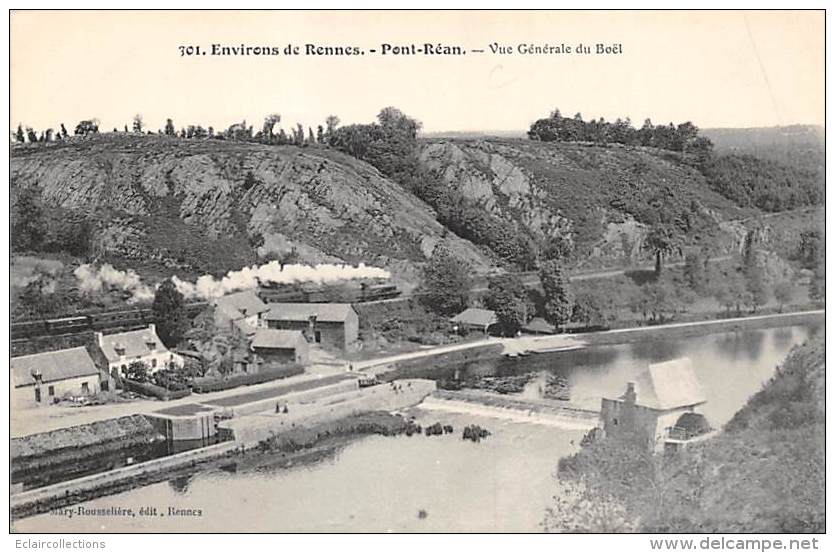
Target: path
x,y
46,418
43,419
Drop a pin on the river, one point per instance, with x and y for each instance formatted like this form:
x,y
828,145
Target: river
x,y
441,483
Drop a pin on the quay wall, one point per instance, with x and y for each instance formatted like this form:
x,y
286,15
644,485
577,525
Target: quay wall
x,y
73,491
410,367
701,328
313,394
250,430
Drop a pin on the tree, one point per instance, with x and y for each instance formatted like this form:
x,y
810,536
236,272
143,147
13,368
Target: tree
x,y
137,371
557,292
508,298
559,247
64,133
331,122
757,287
660,241
810,251
783,293
27,220
445,287
169,127
695,273
31,135
137,123
169,313
817,285
320,134
19,136
587,310
270,121
88,126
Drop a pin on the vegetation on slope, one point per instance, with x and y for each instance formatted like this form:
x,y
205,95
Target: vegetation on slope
x,y
763,473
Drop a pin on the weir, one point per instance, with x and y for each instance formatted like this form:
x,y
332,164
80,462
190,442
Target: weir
x,y
518,409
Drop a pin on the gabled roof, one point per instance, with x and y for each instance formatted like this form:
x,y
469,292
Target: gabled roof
x,y
475,316
241,304
538,324
277,339
135,343
669,385
53,366
326,312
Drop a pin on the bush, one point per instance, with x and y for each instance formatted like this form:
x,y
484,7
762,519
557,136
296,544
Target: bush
x,y
206,385
148,389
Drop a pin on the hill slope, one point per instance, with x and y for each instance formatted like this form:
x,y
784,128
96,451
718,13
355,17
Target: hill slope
x,y
603,197
209,205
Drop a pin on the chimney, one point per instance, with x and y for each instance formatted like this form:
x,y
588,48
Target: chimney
x,y
630,396
153,328
100,339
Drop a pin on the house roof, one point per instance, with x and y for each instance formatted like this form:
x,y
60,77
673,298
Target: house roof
x,y
277,339
475,316
327,312
538,324
241,304
135,344
53,366
669,385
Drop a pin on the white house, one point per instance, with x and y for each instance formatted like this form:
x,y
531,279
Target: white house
x,y
42,378
122,349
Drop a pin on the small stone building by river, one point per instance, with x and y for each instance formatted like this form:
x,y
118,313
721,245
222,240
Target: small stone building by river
x,y
661,408
333,325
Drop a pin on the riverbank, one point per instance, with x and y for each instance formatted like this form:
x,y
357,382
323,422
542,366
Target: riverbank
x,y
41,459
405,365
293,447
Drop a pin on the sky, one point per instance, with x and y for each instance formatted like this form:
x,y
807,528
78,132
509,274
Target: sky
x,y
717,69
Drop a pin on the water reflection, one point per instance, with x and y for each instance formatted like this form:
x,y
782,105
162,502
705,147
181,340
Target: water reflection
x,y
503,483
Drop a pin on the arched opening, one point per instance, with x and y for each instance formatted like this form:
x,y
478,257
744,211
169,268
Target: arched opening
x,y
690,425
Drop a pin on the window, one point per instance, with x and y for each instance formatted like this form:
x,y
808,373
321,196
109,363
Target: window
x,y
85,389
153,363
51,391
615,421
37,395
105,386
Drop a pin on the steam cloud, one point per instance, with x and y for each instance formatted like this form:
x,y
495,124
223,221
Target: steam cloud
x,y
208,287
107,278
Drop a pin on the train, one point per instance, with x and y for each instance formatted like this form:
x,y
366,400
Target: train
x,y
95,322
343,292
128,319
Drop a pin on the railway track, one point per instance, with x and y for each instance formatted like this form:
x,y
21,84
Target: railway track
x,y
127,319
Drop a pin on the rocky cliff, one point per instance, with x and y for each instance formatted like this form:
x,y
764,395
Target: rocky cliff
x,y
602,197
212,205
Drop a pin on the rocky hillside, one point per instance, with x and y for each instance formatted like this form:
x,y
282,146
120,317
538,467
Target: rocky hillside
x,y
604,197
210,205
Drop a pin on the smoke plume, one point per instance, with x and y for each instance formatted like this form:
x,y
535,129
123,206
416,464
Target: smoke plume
x,y
208,287
107,278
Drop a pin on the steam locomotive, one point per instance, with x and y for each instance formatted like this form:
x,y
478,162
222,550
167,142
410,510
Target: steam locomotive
x,y
342,292
347,292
